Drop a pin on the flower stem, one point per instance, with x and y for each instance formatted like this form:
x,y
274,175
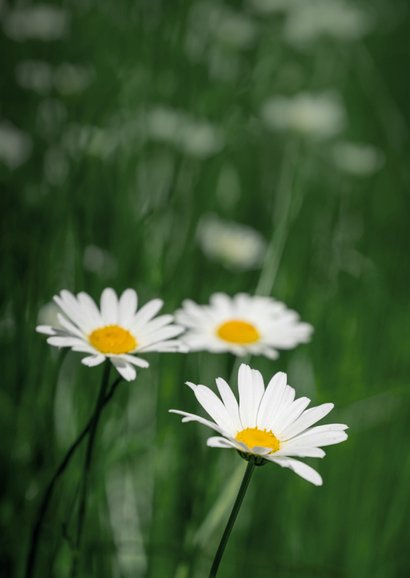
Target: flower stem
x,y
87,465
236,507
48,494
282,219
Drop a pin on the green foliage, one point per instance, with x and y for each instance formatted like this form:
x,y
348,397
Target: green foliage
x,y
110,195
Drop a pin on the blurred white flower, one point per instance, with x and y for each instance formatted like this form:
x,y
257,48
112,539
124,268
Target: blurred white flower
x,y
163,123
319,115
40,77
234,245
266,7
71,78
194,137
357,159
15,145
210,22
48,315
200,139
96,260
242,324
35,75
325,18
233,29
216,36
41,22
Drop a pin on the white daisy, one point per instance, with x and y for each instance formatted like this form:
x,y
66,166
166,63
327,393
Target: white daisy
x,y
115,331
316,116
234,245
242,324
267,424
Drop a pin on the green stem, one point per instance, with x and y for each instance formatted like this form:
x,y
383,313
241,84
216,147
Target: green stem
x,y
48,494
235,510
87,465
281,220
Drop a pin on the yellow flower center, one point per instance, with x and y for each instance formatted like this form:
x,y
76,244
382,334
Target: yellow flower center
x,y
112,339
238,331
252,436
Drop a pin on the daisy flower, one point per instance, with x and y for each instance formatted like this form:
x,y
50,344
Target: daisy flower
x,y
234,245
242,324
267,424
115,331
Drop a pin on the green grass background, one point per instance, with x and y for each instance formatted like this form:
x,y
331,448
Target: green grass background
x,y
159,497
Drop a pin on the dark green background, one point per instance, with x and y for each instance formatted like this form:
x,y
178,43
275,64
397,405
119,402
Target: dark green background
x,y
154,481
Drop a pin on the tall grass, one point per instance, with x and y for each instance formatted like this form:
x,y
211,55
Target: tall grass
x,y
158,497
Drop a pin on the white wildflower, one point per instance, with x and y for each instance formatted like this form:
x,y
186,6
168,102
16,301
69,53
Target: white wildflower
x,y
40,22
15,145
234,245
319,115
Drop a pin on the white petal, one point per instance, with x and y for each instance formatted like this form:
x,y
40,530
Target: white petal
x,y
125,369
70,307
161,335
62,341
319,438
271,400
261,451
85,347
197,342
152,326
270,353
310,452
300,468
127,307
147,312
166,346
285,405
308,418
214,407
70,327
185,319
45,329
88,304
192,314
242,301
230,402
221,442
134,360
251,389
221,302
192,417
291,415
109,307
93,360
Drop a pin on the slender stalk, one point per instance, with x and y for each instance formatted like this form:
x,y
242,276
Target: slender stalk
x,y
281,220
236,507
48,494
86,470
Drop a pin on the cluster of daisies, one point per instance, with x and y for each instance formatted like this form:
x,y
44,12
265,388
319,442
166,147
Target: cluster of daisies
x,y
267,423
